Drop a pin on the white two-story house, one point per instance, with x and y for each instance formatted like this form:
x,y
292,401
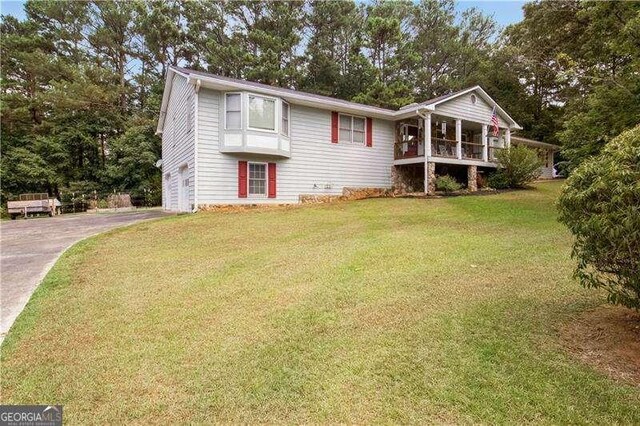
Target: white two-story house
x,y
228,141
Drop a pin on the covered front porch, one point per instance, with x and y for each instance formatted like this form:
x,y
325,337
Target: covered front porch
x,y
463,131
450,140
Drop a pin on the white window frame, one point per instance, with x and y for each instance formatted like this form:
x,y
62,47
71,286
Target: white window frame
x,y
266,179
275,113
225,109
288,129
351,131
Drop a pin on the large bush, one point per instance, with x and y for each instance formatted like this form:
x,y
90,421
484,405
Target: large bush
x,y
498,180
518,166
601,206
447,184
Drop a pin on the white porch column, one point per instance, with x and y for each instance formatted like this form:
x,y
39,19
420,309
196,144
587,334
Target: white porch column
x,y
459,138
485,144
427,135
427,150
507,137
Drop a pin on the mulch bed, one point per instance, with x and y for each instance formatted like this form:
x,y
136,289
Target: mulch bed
x,y
607,338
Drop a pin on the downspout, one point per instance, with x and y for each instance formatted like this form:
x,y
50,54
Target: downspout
x,y
195,146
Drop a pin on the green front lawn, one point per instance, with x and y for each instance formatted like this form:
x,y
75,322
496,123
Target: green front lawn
x,y
386,310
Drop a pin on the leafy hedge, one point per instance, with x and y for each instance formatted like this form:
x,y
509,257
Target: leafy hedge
x,y
601,206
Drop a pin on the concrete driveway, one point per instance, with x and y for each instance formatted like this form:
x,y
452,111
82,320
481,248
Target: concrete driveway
x,y
29,248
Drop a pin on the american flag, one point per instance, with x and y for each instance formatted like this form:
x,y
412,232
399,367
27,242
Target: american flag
x,y
495,129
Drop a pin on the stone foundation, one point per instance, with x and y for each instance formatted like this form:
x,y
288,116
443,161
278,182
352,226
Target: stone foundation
x,y
315,199
407,179
360,193
431,178
472,178
239,207
347,194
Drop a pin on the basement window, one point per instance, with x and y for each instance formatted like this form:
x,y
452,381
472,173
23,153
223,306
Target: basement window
x,y
257,181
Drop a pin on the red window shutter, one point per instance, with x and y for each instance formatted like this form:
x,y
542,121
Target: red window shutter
x,y
334,127
272,180
369,131
242,179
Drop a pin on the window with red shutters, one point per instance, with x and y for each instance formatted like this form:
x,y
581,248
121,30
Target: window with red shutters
x,y
242,179
334,127
369,131
272,180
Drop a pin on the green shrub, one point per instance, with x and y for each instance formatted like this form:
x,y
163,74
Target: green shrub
x,y
498,180
601,206
447,183
519,165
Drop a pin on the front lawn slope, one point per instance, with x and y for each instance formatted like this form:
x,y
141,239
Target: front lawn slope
x,y
385,310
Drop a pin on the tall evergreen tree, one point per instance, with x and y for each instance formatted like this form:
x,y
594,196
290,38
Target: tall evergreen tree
x,y
335,63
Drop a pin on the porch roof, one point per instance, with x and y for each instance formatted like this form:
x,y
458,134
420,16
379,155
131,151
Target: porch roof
x,y
532,142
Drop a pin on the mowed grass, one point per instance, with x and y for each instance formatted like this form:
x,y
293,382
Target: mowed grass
x,y
385,310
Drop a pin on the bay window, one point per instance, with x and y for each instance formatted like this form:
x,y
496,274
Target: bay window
x,y
262,113
254,123
285,119
233,105
352,129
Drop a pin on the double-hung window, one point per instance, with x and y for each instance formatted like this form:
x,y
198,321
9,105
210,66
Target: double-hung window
x,y
257,179
233,119
352,129
284,129
262,113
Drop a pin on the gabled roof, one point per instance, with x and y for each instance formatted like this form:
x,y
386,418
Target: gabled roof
x,y
432,103
437,99
218,82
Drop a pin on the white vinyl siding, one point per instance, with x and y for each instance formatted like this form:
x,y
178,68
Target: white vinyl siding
x,y
316,165
178,142
462,107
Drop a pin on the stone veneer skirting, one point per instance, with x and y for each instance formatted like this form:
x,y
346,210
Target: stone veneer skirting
x,y
472,178
431,178
347,194
407,179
